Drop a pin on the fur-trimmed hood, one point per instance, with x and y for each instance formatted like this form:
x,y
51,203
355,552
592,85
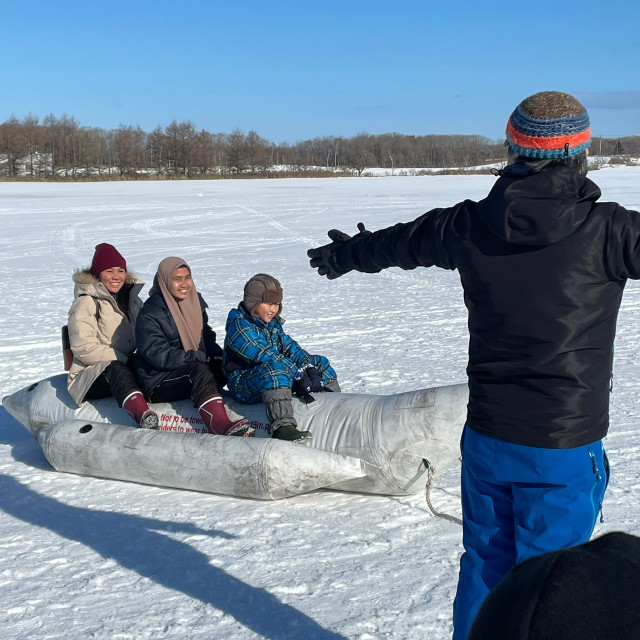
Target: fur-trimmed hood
x,y
84,276
101,328
86,284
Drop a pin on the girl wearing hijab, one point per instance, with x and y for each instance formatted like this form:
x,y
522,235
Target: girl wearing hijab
x,y
178,356
101,334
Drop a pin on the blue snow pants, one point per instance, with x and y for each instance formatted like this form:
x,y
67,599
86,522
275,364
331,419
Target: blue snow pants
x,y
519,502
247,385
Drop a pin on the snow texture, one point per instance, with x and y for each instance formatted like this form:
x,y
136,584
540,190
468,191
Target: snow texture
x,y
91,558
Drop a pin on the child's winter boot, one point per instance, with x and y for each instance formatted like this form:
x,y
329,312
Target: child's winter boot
x,y
277,404
291,433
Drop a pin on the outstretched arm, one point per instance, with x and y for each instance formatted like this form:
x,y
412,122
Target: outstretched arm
x,y
405,245
325,259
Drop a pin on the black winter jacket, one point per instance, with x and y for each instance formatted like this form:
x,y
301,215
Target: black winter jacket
x,y
159,348
543,267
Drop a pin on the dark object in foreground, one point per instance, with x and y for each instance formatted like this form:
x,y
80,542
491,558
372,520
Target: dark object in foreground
x,y
588,592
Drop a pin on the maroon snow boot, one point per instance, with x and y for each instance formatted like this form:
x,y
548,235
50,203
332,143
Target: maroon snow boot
x,y
217,421
136,406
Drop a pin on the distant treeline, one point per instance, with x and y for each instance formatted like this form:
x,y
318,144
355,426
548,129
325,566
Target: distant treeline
x,y
60,146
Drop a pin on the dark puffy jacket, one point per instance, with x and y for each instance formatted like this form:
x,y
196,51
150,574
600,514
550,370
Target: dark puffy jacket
x,y
543,267
159,348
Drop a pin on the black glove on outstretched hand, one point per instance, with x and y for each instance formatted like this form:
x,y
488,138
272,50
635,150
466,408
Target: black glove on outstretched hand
x,y
324,258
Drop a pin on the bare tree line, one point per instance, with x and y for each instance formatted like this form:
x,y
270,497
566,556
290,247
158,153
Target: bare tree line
x,y
180,149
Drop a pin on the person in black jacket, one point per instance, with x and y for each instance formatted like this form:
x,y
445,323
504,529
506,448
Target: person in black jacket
x,y
543,266
177,355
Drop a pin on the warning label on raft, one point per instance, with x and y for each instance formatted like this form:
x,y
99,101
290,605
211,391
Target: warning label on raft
x,y
181,424
194,424
422,399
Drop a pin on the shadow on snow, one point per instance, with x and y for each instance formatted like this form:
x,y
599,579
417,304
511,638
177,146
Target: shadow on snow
x,y
134,543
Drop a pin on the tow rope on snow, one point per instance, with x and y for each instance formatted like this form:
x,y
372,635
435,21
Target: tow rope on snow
x,y
431,472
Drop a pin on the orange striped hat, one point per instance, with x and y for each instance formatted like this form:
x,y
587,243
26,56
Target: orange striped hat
x,y
550,124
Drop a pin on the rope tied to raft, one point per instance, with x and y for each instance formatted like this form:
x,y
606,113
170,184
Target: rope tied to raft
x,y
431,472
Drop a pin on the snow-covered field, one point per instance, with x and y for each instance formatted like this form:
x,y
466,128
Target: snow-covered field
x,y
88,558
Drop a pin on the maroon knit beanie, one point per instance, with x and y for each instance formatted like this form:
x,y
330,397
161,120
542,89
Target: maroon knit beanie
x,y
106,257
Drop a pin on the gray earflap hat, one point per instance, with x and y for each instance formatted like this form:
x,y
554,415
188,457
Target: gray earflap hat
x,y
262,288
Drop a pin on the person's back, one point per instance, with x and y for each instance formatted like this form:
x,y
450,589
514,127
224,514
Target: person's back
x,y
543,266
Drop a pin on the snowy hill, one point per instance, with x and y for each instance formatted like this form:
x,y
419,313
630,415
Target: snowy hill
x,y
88,558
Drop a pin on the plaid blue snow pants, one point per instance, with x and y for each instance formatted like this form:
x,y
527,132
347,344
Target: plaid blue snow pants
x,y
247,385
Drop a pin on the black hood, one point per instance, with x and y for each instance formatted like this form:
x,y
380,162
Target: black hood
x,y
537,208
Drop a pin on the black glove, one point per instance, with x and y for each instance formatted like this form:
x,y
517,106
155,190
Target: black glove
x,y
197,356
301,383
301,387
324,258
315,379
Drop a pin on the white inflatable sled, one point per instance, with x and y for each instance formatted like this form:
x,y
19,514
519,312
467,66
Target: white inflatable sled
x,y
362,443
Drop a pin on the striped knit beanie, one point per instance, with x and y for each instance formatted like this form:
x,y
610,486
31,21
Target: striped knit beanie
x,y
551,125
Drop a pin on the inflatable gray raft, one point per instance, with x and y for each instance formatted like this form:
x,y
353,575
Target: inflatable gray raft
x,y
363,443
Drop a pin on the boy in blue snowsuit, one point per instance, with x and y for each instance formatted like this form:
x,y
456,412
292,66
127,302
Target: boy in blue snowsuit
x,y
263,363
543,266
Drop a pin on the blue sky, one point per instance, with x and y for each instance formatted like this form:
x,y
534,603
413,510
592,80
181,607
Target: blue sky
x,y
293,70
